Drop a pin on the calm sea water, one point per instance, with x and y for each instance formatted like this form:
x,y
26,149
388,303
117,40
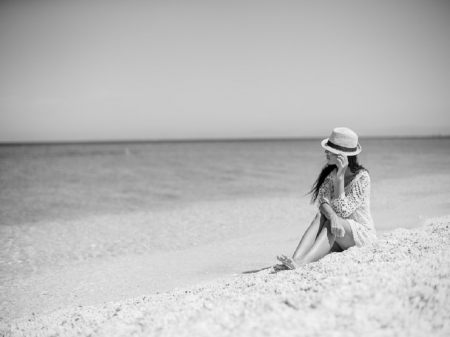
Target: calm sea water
x,y
39,183
48,182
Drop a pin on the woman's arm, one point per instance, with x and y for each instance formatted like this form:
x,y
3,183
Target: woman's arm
x,y
336,228
339,189
325,190
342,164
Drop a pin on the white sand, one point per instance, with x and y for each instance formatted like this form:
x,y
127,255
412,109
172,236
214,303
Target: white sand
x,y
398,286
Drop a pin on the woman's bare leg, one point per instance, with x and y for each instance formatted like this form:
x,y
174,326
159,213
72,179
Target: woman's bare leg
x,y
310,236
307,240
322,245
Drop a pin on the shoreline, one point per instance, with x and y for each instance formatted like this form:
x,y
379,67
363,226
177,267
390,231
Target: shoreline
x,y
396,286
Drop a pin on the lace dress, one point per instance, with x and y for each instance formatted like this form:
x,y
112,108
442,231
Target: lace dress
x,y
352,205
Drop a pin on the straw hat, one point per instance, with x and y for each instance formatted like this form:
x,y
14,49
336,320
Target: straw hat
x,y
342,140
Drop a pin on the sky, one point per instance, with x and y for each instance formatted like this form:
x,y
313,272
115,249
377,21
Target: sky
x,y
155,70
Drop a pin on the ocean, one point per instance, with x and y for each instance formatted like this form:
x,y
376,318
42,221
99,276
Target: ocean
x,y
63,182
42,183
78,205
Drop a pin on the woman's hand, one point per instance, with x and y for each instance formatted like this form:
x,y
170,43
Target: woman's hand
x,y
342,163
336,228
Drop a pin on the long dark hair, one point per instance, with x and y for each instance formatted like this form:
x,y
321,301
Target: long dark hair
x,y
353,164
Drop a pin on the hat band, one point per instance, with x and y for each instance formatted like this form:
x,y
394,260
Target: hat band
x,y
341,148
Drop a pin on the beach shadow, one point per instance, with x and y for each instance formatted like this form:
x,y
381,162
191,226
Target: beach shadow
x,y
265,268
256,270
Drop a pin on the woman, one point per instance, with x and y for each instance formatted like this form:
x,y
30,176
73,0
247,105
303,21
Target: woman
x,y
342,192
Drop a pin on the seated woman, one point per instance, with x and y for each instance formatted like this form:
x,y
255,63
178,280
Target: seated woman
x,y
342,192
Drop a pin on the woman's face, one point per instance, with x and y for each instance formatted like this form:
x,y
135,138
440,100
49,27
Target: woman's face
x,y
331,157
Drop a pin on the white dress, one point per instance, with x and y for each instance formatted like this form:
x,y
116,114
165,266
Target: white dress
x,y
352,205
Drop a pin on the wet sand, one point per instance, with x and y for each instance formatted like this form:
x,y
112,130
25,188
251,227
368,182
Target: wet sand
x,y
102,261
398,286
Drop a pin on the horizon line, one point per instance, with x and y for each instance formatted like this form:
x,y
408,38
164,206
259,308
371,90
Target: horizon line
x,y
200,140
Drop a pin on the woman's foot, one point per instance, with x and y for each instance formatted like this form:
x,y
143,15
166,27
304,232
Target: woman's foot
x,y
280,267
288,262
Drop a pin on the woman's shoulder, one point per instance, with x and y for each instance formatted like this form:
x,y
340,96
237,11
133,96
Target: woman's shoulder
x,y
363,173
362,176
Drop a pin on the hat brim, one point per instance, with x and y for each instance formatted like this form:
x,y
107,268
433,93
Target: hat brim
x,y
354,153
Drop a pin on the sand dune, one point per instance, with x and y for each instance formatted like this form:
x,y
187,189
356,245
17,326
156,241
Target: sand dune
x,y
398,286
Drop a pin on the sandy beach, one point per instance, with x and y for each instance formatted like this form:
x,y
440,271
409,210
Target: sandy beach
x,y
398,286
